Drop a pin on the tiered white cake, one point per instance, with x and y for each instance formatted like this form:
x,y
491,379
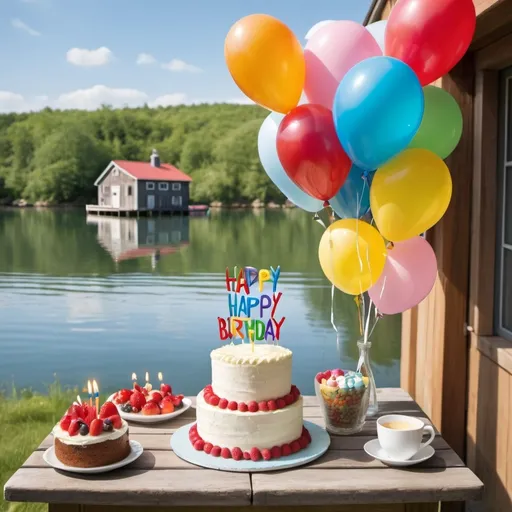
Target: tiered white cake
x,y
251,410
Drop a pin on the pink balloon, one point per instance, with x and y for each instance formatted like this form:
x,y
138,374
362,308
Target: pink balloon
x,y
408,277
330,52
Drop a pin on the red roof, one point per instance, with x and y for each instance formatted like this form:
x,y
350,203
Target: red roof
x,y
145,171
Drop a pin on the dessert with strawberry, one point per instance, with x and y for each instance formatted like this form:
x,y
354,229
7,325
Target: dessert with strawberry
x,y
148,401
84,439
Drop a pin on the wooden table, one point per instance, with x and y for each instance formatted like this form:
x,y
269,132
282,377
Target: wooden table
x,y
344,479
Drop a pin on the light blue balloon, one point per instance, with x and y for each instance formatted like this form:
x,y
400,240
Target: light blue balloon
x,y
353,199
270,161
378,31
378,108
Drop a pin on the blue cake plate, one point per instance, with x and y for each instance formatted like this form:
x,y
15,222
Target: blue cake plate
x,y
320,442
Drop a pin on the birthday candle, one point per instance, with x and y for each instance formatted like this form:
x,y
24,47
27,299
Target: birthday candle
x,y
134,378
89,390
96,395
160,377
79,400
148,386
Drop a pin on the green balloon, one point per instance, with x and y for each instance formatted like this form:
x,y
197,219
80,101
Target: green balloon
x,y
441,127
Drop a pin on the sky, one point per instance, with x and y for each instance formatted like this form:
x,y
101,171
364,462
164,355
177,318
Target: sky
x,y
85,53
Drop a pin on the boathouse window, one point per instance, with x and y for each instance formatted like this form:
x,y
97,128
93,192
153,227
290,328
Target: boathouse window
x,y
150,185
176,186
504,233
163,186
129,192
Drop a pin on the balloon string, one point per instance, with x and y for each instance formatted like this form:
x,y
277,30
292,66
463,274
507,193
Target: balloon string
x,y
322,223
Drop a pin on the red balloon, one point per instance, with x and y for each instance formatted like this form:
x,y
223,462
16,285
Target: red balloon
x,y
310,151
431,36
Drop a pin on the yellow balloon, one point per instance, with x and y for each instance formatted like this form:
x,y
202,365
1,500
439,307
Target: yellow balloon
x,y
410,194
266,61
352,255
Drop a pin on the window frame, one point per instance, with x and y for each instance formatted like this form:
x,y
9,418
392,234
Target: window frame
x,y
176,187
163,186
129,190
150,185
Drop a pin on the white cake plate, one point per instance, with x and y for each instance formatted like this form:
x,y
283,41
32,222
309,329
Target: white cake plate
x,y
182,447
157,418
51,459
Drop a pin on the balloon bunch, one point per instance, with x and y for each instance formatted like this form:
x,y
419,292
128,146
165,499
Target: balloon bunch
x,y
355,125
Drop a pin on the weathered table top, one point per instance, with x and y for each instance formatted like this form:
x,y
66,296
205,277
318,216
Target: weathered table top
x,y
344,475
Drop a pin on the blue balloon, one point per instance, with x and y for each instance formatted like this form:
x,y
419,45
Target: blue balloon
x,y
270,161
378,108
353,199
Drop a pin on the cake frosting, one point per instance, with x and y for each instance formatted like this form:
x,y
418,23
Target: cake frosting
x,y
251,410
224,427
242,375
78,440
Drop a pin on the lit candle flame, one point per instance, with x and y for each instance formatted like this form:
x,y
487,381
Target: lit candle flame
x,y
134,376
79,400
89,388
95,388
160,376
147,377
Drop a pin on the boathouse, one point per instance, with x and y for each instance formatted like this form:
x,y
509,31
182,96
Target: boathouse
x,y
126,187
457,345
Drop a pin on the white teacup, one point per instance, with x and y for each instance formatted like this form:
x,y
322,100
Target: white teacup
x,y
400,436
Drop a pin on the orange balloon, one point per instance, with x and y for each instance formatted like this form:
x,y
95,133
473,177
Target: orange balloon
x,y
266,61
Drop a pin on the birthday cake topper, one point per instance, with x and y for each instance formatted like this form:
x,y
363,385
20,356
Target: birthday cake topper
x,y
252,317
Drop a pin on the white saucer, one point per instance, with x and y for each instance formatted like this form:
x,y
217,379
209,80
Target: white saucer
x,y
51,459
157,418
374,449
320,442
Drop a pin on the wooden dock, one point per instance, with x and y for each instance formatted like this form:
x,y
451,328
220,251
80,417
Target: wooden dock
x,y
94,209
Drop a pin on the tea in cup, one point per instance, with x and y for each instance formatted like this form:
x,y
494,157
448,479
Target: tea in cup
x,y
400,436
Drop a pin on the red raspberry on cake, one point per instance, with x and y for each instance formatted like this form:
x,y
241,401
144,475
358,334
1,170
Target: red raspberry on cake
x,y
208,447
225,453
242,407
223,403
247,456
281,404
253,406
199,445
237,453
295,446
276,452
266,454
232,406
108,409
286,450
289,399
263,406
216,451
272,405
255,454
303,441
214,400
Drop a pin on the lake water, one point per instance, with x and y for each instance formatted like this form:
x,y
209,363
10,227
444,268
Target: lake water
x,y
87,297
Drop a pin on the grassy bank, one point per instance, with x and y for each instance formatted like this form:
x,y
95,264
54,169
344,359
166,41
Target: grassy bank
x,y
26,419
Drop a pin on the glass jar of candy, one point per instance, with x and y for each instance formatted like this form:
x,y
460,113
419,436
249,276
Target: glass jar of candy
x,y
344,395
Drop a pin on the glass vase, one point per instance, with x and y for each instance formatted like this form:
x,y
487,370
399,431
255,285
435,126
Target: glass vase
x,y
364,367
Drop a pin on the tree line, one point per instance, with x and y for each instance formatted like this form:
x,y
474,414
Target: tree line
x,y
55,156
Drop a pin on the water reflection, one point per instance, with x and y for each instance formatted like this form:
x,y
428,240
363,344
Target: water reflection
x,y
109,296
130,238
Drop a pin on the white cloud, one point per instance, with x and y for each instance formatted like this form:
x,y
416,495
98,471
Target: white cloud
x,y
94,97
82,57
180,66
145,59
20,25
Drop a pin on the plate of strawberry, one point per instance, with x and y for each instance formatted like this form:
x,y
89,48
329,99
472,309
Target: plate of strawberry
x,y
143,405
